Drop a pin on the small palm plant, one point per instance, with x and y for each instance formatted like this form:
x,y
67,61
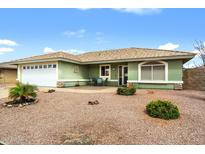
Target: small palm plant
x,y
23,92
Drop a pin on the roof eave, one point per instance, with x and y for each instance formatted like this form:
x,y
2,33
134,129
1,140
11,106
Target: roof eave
x,y
102,61
141,59
44,60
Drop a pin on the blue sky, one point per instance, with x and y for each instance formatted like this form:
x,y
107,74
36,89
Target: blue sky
x,y
27,32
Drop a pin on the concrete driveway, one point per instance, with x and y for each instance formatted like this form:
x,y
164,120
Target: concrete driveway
x,y
3,92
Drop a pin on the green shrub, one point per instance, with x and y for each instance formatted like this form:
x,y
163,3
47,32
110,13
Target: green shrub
x,y
23,92
126,91
162,109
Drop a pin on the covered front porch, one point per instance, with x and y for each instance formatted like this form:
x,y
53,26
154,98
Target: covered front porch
x,y
115,74
109,74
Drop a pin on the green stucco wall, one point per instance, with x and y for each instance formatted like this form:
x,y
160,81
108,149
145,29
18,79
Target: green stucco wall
x,y
133,71
153,86
94,71
73,83
66,71
174,74
174,70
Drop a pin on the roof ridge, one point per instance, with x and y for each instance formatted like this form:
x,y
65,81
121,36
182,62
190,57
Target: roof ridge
x,y
106,50
115,50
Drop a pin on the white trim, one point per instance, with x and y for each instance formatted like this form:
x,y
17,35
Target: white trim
x,y
113,80
71,80
163,62
19,73
104,77
122,73
165,82
57,70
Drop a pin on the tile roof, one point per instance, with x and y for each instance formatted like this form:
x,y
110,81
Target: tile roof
x,y
111,55
130,53
54,55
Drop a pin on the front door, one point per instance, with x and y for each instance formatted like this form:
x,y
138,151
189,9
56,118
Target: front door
x,y
122,75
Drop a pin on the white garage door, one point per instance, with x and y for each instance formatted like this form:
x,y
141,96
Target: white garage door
x,y
40,75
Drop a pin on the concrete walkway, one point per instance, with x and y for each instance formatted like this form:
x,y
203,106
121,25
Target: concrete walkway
x,y
86,89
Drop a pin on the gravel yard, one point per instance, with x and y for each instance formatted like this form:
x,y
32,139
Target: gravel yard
x,y
116,120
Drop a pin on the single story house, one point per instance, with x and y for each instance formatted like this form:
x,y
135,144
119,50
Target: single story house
x,y
8,73
141,67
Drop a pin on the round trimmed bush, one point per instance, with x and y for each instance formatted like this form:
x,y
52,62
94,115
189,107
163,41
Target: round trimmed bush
x,y
162,109
126,91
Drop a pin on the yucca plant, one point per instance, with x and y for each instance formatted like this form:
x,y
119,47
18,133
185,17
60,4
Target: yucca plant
x,y
23,92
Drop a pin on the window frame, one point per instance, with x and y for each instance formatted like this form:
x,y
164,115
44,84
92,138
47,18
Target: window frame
x,y
45,66
162,63
100,71
54,66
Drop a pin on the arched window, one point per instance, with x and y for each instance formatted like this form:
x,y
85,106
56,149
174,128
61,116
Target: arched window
x,y
153,71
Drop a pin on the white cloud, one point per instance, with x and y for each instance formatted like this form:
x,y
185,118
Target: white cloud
x,y
48,50
8,42
72,51
83,9
99,33
5,50
139,11
100,39
169,46
79,33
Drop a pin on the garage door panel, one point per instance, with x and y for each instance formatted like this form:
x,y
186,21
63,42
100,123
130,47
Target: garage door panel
x,y
40,77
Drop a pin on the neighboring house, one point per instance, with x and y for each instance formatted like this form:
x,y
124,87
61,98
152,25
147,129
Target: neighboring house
x,y
8,73
144,68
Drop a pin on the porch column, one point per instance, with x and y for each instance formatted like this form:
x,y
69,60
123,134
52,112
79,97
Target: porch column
x,y
18,73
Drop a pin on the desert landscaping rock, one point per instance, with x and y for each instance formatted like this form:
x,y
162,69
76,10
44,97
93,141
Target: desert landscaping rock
x,y
9,106
76,139
117,120
93,102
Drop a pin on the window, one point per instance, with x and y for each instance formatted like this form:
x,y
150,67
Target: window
x,y
153,71
54,65
28,67
49,66
76,69
32,67
40,66
105,71
36,66
44,66
146,73
24,67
